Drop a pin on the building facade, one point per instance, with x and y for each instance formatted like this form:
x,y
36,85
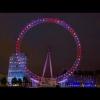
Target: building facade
x,y
17,67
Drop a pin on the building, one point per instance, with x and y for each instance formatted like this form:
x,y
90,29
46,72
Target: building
x,y
17,67
80,80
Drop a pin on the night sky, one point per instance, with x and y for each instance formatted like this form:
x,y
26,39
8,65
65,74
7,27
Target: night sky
x,y
37,40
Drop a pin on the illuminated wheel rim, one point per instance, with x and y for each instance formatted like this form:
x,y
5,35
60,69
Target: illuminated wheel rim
x,y
63,24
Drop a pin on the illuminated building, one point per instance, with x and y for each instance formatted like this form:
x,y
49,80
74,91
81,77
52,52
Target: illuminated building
x,y
17,67
79,81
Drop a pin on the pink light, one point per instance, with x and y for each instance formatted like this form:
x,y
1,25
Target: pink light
x,y
59,22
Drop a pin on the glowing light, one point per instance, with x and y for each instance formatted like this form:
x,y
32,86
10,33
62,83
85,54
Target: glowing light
x,y
61,23
34,80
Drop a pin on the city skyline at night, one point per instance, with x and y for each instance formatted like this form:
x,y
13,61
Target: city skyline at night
x,y
37,40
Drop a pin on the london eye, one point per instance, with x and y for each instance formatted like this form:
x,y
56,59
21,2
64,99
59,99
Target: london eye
x,y
68,28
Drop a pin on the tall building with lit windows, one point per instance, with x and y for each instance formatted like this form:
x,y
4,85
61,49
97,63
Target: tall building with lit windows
x,y
17,66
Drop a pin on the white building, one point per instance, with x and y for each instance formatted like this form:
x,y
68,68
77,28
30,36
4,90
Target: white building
x,y
17,66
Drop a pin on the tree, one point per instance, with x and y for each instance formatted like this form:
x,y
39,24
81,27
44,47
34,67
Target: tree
x,y
14,81
4,81
25,81
19,81
57,86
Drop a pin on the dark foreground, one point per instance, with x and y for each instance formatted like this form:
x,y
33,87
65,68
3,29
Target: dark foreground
x,y
48,92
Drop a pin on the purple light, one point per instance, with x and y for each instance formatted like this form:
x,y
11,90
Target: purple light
x,y
65,26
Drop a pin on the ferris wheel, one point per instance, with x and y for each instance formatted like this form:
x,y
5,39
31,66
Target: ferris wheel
x,y
64,25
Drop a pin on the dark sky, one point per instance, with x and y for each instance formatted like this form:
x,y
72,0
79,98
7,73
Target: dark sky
x,y
36,41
